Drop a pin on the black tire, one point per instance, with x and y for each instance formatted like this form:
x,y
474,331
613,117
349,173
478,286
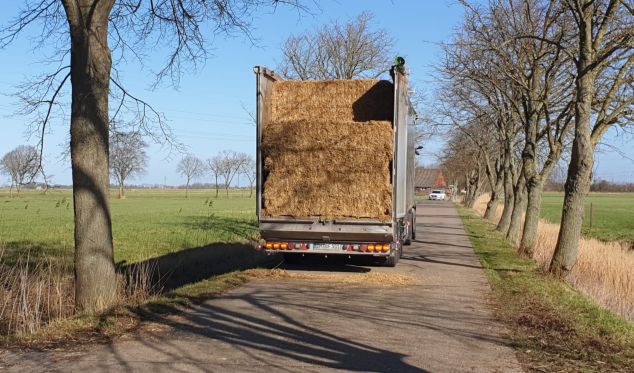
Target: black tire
x,y
392,259
408,239
414,224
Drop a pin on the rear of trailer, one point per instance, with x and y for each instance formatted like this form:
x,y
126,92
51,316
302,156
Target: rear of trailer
x,y
311,214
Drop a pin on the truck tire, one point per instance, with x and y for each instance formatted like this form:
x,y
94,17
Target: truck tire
x,y
392,259
410,232
414,224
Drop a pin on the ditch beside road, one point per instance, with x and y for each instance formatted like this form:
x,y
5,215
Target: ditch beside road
x,y
442,321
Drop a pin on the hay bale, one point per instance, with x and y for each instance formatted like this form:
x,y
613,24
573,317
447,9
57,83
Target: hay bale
x,y
334,100
329,169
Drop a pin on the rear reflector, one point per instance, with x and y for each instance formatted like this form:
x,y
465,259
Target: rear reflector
x,y
371,248
269,245
276,245
386,248
283,245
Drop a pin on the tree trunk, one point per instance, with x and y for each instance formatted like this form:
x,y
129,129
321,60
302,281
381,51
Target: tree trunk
x,y
505,220
216,186
95,280
581,161
519,207
121,191
474,189
531,221
492,205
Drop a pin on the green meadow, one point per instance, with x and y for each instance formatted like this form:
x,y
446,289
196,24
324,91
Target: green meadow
x,y
148,223
613,214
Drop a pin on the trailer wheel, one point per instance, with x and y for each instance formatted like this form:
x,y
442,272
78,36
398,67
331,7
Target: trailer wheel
x,y
392,259
410,232
414,224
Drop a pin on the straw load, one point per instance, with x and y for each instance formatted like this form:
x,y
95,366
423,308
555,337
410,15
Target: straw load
x,y
327,149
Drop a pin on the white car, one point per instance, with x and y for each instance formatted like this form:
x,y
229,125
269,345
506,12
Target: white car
x,y
437,195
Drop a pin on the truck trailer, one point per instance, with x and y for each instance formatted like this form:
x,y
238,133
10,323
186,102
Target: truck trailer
x,y
335,166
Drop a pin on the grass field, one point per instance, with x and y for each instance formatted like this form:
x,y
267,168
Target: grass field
x,y
613,215
148,223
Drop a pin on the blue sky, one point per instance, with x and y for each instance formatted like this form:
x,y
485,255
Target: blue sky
x,y
206,111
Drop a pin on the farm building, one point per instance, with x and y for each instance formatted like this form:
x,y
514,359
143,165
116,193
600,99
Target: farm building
x,y
429,178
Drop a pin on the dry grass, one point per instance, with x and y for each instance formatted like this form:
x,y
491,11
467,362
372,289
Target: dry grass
x,y
33,296
368,278
604,272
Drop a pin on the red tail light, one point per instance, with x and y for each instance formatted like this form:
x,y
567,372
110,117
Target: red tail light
x,y
291,245
386,248
269,245
276,245
363,248
283,246
304,246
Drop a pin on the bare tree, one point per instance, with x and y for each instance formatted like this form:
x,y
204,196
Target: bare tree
x,y
249,170
603,52
232,162
191,168
21,165
338,51
183,29
215,166
127,157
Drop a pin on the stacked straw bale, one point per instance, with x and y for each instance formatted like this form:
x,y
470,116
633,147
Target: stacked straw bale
x,y
327,149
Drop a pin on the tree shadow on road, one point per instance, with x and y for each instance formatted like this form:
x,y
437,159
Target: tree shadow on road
x,y
174,270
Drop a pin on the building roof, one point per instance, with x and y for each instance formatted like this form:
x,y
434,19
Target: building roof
x,y
429,178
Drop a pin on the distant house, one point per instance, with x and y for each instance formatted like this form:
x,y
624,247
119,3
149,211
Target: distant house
x,y
429,178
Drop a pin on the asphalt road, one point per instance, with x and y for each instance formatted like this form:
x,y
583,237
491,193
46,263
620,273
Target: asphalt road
x,y
442,322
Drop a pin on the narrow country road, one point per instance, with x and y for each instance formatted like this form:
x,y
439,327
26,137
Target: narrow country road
x,y
444,323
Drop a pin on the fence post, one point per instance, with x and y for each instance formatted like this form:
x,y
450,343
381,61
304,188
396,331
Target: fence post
x,y
591,214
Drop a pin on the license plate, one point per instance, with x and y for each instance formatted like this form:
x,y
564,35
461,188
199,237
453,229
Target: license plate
x,y
328,246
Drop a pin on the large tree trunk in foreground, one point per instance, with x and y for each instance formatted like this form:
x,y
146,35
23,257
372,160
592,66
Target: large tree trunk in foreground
x,y
519,207
95,279
581,161
576,188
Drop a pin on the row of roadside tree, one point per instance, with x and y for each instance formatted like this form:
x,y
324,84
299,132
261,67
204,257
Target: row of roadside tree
x,y
525,84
